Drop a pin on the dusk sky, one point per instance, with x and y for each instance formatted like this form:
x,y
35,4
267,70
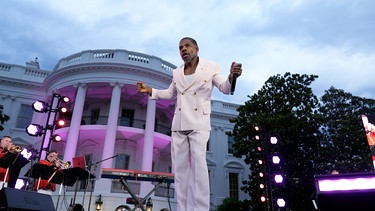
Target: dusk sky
x,y
334,39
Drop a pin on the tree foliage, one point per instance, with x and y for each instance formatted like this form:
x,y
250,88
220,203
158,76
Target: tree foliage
x,y
3,118
314,136
344,146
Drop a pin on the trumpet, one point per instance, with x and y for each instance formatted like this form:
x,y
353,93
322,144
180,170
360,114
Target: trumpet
x,y
14,148
63,164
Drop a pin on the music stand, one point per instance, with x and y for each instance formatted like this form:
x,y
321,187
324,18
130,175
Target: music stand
x,y
75,174
15,162
45,172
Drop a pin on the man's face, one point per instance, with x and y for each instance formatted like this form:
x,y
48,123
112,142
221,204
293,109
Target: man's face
x,y
52,156
6,142
188,50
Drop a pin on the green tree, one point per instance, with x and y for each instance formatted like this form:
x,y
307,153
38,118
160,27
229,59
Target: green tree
x,y
3,118
285,107
344,146
230,204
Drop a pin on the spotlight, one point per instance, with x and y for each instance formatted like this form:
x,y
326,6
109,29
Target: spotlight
x,y
262,198
280,202
21,183
275,159
278,178
56,138
34,130
26,153
40,106
64,99
63,109
60,123
273,140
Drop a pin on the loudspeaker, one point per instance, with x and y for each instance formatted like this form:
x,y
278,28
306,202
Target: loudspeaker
x,y
347,200
19,200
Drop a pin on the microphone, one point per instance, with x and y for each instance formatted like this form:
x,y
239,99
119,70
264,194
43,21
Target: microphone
x,y
233,87
234,78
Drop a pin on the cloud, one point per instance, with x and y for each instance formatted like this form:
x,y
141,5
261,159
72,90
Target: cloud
x,y
333,39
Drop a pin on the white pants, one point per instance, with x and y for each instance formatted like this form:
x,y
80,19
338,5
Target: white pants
x,y
191,173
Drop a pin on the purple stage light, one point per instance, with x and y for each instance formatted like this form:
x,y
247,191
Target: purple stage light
x,y
345,182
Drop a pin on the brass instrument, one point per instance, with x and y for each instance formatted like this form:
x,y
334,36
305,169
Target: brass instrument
x,y
63,164
15,148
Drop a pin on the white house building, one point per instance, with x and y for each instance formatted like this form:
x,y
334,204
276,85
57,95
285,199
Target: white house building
x,y
113,126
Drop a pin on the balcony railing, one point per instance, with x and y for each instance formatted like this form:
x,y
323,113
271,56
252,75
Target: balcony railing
x,y
136,123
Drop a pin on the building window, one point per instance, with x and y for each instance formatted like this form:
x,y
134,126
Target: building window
x,y
127,117
230,144
25,116
94,116
233,185
122,161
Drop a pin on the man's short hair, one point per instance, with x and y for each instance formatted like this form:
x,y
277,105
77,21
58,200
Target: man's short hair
x,y
191,39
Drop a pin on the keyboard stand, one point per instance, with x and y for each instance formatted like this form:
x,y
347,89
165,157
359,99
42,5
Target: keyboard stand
x,y
140,201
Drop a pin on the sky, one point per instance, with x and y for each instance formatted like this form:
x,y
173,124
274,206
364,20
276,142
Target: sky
x,y
334,39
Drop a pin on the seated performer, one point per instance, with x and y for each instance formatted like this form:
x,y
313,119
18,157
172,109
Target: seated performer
x,y
44,186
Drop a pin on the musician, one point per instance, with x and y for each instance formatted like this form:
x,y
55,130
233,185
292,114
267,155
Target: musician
x,y
44,186
5,146
192,85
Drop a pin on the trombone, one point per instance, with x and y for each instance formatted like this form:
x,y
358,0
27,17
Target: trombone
x,y
15,148
63,164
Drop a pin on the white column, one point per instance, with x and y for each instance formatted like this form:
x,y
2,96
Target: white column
x,y
148,145
72,139
110,136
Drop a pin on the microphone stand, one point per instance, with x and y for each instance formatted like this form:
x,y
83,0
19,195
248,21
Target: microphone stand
x,y
92,181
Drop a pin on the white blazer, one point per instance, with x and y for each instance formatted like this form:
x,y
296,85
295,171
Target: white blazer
x,y
193,106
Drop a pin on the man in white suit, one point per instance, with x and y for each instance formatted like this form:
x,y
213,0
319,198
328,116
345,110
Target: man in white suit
x,y
192,84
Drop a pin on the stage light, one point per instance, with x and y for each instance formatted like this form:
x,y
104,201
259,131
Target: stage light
x,y
262,198
273,140
275,159
260,162
64,99
26,153
278,178
34,130
60,123
259,149
21,183
261,174
40,106
261,186
257,136
63,109
99,203
56,138
280,202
